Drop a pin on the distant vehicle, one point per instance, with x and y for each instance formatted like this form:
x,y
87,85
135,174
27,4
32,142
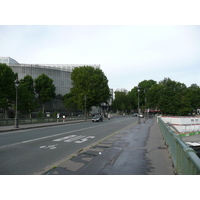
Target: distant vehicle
x,y
97,119
141,116
135,115
81,115
48,114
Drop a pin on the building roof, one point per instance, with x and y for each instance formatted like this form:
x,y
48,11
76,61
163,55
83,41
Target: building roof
x,y
8,60
63,67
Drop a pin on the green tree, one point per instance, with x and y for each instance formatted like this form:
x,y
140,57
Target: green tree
x,y
7,87
194,96
144,99
123,107
69,103
92,83
143,94
120,102
27,100
173,98
45,89
153,96
132,100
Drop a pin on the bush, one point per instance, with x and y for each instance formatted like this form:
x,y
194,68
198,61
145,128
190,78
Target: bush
x,y
40,114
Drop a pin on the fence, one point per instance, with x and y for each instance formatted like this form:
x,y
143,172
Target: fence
x,y
184,158
11,121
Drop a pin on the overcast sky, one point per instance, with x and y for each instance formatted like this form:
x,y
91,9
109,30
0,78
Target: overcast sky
x,y
127,54
131,40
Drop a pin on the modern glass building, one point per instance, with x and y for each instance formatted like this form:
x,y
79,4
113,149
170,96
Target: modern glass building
x,y
59,73
8,60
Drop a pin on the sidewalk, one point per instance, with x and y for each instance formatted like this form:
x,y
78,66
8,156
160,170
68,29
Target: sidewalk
x,y
136,150
36,125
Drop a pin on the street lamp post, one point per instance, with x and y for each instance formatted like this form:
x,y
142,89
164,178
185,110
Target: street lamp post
x,y
16,117
138,89
145,108
85,97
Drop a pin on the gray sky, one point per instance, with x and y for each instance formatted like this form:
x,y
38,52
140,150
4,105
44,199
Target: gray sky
x,y
128,54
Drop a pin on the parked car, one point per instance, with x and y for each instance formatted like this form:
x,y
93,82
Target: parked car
x,y
97,119
135,115
80,115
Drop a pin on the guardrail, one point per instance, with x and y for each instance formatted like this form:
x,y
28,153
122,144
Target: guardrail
x,y
184,158
11,121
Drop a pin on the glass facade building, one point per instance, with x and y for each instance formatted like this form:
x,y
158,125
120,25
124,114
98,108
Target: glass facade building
x,y
8,60
59,73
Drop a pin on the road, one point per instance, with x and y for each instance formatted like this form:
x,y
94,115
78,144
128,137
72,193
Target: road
x,y
29,151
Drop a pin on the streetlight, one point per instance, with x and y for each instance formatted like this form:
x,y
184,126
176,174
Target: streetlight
x,y
16,86
138,89
145,108
85,97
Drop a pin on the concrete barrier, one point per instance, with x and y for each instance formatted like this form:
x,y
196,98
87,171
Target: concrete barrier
x,y
183,124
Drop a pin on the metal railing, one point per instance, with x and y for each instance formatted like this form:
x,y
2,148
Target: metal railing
x,y
184,158
11,121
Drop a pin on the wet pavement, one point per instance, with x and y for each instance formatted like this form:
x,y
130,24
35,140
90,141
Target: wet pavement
x,y
136,150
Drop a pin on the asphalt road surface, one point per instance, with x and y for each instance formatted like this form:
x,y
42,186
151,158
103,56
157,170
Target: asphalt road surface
x,y
29,151
138,149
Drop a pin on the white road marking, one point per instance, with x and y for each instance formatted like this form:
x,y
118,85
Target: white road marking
x,y
64,138
49,147
50,136
84,139
73,139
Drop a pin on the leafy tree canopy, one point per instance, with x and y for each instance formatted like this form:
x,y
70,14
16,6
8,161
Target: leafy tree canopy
x,y
145,86
69,103
45,89
168,96
7,86
121,101
194,95
92,83
27,100
173,97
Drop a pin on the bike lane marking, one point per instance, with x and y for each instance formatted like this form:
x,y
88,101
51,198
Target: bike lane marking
x,y
50,136
49,147
71,138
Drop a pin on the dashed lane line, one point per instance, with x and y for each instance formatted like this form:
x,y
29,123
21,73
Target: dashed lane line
x,y
55,135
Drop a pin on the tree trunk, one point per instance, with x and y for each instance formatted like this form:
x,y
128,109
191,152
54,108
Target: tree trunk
x,y
43,109
6,113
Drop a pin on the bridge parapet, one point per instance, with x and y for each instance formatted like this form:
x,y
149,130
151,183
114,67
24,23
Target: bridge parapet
x,y
184,158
